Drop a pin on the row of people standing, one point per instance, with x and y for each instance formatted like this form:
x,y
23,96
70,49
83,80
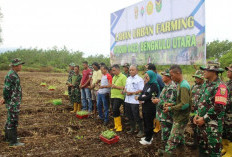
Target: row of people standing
x,y
120,90
211,111
210,98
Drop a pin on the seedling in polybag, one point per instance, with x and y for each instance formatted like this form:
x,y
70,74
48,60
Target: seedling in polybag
x,y
57,102
51,87
82,113
43,84
109,134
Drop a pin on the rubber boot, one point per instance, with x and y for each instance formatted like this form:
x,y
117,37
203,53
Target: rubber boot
x,y
115,123
225,145
157,126
12,134
74,108
78,107
6,138
119,124
132,128
229,151
141,130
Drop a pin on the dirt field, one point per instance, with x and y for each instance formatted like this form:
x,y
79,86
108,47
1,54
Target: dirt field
x,y
49,130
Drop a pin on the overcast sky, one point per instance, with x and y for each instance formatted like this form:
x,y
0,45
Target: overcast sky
x,y
84,24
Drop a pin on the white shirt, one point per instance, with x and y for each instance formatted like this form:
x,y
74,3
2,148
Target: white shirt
x,y
133,84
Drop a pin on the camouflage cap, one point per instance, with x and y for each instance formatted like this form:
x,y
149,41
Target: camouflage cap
x,y
212,66
166,72
126,65
72,64
229,68
199,74
16,61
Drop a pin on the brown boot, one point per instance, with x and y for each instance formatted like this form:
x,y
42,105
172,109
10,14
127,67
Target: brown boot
x,y
79,107
74,108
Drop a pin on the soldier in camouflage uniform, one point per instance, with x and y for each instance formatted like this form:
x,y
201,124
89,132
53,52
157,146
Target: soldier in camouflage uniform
x,y
210,111
168,95
69,81
227,130
75,91
180,112
12,94
196,88
126,67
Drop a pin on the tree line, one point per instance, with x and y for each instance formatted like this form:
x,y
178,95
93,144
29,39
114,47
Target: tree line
x,y
53,59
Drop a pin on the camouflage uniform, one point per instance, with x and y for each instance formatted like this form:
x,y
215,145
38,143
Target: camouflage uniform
x,y
168,95
196,88
12,93
180,117
211,107
69,81
75,90
227,132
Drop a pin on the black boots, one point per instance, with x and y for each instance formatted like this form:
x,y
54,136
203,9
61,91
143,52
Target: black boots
x,y
12,137
132,128
6,138
141,130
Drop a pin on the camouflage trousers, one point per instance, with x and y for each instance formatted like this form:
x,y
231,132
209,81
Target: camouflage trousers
x,y
227,128
75,95
166,128
176,137
12,120
209,143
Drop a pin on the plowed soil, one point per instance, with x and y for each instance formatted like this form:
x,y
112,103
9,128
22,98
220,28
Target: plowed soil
x,y
49,130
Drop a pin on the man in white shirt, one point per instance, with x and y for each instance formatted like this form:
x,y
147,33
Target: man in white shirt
x,y
134,85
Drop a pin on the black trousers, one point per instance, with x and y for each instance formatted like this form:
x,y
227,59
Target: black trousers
x,y
132,112
116,103
149,111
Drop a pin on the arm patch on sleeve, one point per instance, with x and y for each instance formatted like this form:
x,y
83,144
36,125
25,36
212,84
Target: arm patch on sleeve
x,y
221,95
